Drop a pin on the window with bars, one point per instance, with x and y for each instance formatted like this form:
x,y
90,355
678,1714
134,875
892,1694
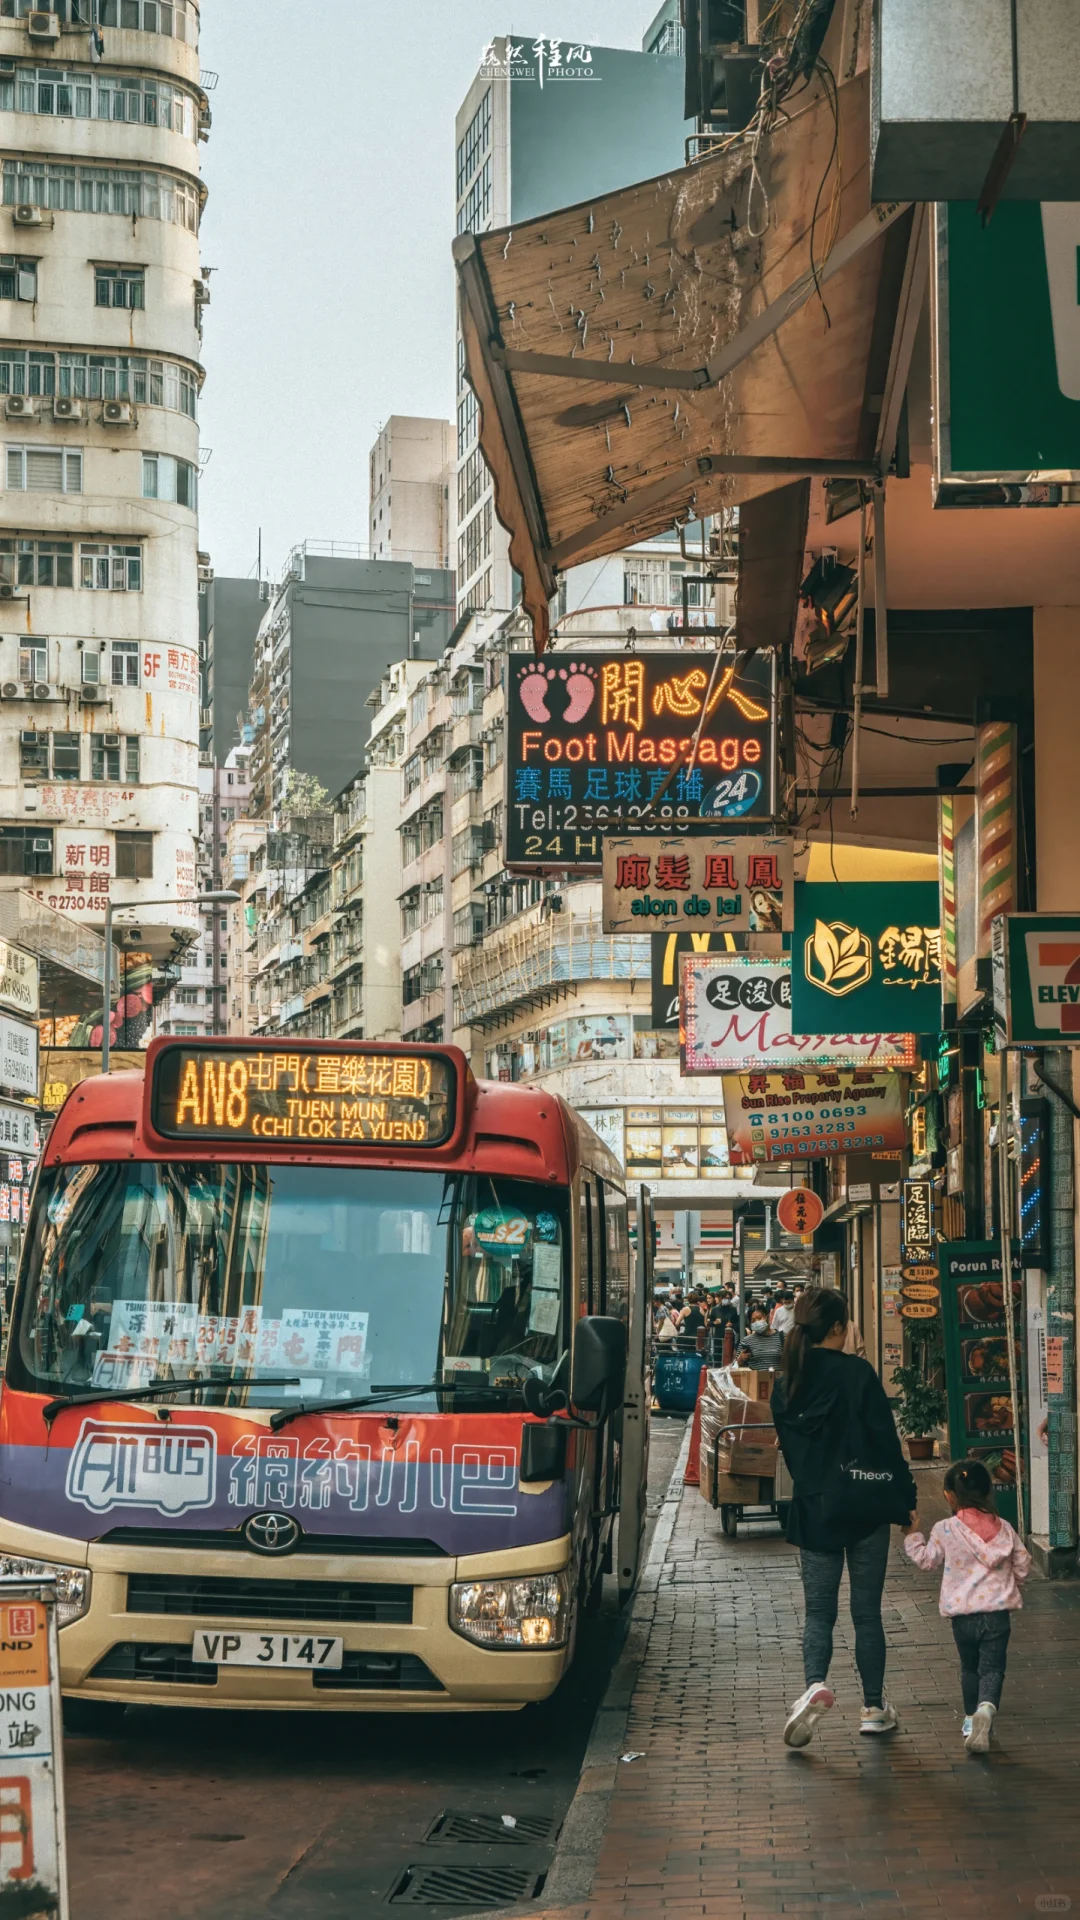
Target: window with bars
x,y
468,773
410,912
33,664
474,143
165,478
176,18
29,562
18,277
99,376
114,757
44,470
135,856
466,851
120,287
65,756
468,926
105,568
412,774
467,418
471,481
26,850
31,181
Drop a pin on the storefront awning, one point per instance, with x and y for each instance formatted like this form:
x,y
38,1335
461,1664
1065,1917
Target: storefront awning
x,y
748,303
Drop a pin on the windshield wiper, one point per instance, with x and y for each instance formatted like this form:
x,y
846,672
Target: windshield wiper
x,y
377,1397
153,1388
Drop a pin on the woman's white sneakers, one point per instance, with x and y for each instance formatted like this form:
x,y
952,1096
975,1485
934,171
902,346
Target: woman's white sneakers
x,y
879,1719
981,1726
806,1713
966,1728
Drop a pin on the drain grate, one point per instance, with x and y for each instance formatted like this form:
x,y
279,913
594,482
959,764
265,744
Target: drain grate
x,y
450,1886
491,1829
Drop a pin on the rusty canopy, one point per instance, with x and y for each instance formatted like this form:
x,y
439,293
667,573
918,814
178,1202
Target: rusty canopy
x,y
669,282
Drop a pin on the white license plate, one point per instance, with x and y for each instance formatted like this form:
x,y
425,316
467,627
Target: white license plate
x,y
267,1650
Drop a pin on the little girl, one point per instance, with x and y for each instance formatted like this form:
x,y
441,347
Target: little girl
x,y
983,1560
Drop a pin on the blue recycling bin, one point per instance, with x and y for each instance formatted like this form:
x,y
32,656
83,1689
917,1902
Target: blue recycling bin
x,y
675,1380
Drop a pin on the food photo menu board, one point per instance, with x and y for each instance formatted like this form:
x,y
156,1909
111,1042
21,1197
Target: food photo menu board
x,y
977,1360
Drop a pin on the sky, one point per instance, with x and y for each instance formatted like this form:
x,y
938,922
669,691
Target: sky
x,y
330,169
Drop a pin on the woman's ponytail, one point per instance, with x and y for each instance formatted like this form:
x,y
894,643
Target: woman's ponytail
x,y
817,1311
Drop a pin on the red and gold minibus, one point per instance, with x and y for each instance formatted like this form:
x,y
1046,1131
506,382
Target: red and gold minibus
x,y
324,1384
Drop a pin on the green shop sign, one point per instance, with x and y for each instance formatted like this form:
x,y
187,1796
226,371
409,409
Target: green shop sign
x,y
866,957
1035,963
1007,340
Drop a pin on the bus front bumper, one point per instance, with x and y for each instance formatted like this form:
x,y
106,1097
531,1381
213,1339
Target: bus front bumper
x,y
135,1642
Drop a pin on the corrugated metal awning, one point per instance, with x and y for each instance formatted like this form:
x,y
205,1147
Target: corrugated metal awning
x,y
669,281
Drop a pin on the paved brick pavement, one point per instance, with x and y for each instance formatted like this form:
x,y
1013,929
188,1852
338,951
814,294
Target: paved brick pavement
x,y
719,1819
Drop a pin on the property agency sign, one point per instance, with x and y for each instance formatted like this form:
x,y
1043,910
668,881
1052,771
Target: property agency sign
x,y
598,743
1035,959
847,1111
741,884
866,954
736,1015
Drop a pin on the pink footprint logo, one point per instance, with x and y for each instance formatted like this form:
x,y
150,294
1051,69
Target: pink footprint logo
x,y
580,687
534,691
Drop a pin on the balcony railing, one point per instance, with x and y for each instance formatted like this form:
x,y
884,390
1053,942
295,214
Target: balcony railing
x,y
531,962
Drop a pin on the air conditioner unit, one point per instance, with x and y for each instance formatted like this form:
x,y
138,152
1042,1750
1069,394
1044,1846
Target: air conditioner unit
x,y
12,690
41,690
91,695
118,413
29,737
43,25
7,591
67,409
19,406
41,846
206,574
111,739
27,216
7,66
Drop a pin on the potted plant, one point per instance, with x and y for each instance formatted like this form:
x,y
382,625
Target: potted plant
x,y
919,1408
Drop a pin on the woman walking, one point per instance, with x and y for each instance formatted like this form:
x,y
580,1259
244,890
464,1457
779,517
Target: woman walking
x,y
839,1439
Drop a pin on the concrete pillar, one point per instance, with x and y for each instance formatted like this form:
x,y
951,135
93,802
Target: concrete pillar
x,y
1057,732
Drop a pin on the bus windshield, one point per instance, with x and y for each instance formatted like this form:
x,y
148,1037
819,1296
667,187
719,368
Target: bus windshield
x,y
348,1280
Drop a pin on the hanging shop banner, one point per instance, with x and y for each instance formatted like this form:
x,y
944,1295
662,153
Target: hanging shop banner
x,y
18,1056
917,1220
977,1358
1035,960
19,973
18,1129
866,954
592,739
33,1862
737,1015
800,1210
742,884
847,1111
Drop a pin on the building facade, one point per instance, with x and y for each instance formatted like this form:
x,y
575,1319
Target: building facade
x,y
103,297
411,491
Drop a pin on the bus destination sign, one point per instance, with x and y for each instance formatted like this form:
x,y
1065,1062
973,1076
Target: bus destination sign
x,y
602,742
277,1095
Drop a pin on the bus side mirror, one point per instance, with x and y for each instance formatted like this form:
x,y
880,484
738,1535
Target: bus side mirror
x,y
598,1364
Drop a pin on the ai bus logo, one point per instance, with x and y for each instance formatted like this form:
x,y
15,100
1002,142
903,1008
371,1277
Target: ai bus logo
x,y
1054,971
169,1469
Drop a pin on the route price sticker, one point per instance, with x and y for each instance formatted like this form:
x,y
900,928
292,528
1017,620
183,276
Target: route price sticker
x,y
276,1094
267,1650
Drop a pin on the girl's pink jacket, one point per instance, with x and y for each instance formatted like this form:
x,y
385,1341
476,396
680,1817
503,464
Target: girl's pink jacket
x,y
981,1576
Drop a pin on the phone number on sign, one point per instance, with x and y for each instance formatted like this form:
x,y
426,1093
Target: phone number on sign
x,y
843,1143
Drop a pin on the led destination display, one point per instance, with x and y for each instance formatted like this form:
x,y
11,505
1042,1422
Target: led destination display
x,y
275,1095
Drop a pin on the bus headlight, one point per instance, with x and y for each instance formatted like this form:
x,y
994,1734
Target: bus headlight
x,y
72,1584
533,1613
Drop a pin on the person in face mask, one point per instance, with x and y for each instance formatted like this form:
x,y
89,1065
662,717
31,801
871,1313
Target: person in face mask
x,y
761,1347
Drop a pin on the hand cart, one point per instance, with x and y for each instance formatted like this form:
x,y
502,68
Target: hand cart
x,y
771,1505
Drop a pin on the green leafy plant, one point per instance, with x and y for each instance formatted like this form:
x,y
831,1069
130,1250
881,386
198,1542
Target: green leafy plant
x,y
919,1407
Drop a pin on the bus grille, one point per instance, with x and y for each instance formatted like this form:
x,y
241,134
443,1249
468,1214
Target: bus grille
x,y
206,1597
154,1661
379,1672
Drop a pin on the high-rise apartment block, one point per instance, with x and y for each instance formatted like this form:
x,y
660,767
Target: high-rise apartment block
x,y
411,482
102,296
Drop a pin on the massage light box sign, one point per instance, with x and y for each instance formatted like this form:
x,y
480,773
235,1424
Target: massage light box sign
x,y
597,743
736,1015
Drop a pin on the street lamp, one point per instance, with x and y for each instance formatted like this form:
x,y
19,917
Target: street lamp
x,y
223,897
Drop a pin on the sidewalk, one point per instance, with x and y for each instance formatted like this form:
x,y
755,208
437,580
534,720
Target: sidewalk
x,y
718,1819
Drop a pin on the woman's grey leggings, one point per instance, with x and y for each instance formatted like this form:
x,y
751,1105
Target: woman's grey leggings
x,y
821,1573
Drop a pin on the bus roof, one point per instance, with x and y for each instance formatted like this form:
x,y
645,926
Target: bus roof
x,y
518,1132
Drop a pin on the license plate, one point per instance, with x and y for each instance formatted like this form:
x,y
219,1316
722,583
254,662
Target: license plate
x,y
267,1650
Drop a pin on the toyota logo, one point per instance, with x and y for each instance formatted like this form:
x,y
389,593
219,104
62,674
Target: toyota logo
x,y
271,1532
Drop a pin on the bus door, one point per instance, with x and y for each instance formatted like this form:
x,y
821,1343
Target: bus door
x,y
634,1452
594,1300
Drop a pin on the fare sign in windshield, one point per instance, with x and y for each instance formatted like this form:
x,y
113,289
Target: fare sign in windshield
x,y
282,1095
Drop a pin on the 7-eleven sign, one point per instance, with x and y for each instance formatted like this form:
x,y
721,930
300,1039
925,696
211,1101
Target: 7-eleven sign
x,y
1036,972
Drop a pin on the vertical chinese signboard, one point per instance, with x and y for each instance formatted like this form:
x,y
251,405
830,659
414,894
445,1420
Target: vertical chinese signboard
x,y
33,1865
601,743
974,1318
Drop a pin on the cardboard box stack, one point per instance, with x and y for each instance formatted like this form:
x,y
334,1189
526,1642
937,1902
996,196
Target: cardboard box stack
x,y
734,1463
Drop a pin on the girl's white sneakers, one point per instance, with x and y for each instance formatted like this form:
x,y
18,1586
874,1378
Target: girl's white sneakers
x,y
806,1713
